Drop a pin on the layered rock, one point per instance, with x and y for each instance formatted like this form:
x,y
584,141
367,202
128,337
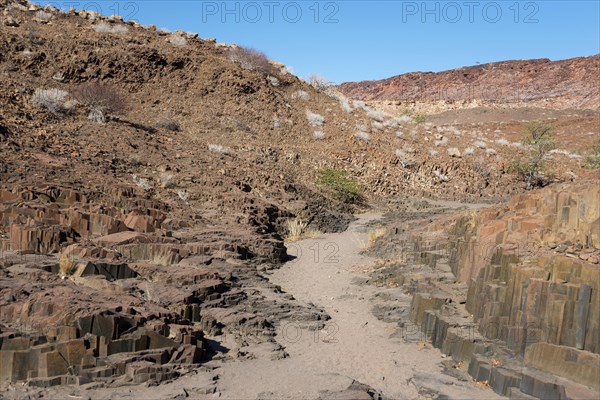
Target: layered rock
x,y
511,292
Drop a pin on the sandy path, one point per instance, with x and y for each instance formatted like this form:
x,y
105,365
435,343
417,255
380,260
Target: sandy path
x,y
354,345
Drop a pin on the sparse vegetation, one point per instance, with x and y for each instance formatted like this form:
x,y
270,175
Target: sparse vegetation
x,y
102,99
376,115
404,159
251,59
410,115
43,16
441,142
301,95
453,152
319,135
469,151
593,159
66,265
344,188
362,135
318,82
167,180
142,183
480,144
530,164
177,40
103,27
375,234
217,148
295,228
314,119
52,100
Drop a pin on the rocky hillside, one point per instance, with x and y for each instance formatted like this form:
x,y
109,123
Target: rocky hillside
x,y
563,84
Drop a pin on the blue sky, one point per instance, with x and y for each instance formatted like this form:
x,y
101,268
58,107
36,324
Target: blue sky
x,y
351,40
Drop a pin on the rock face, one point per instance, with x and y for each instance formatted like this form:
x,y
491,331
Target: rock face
x,y
512,293
571,83
89,293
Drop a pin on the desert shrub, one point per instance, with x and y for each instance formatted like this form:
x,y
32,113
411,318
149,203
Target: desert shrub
x,y
66,265
409,115
404,159
101,98
377,115
183,195
530,164
490,151
442,142
276,123
43,16
593,159
318,82
314,119
376,125
251,59
177,40
480,144
345,104
343,187
319,135
52,100
453,152
301,95
503,142
441,176
169,124
419,117
103,27
167,180
362,135
295,228
469,151
142,182
217,148
273,81
433,153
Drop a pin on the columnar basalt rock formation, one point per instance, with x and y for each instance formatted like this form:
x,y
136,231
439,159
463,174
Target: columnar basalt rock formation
x,y
512,293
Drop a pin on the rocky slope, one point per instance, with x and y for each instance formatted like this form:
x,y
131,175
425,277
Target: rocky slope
x,y
133,239
563,84
510,293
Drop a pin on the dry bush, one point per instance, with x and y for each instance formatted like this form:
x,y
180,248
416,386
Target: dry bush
x,y
315,119
52,100
217,148
102,98
361,135
251,59
319,82
66,265
177,40
319,135
295,228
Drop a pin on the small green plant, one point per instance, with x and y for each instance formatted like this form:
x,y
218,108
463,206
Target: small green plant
x,y
344,188
419,117
530,164
593,159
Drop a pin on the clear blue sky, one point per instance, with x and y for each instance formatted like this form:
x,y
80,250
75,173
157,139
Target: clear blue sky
x,y
357,40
